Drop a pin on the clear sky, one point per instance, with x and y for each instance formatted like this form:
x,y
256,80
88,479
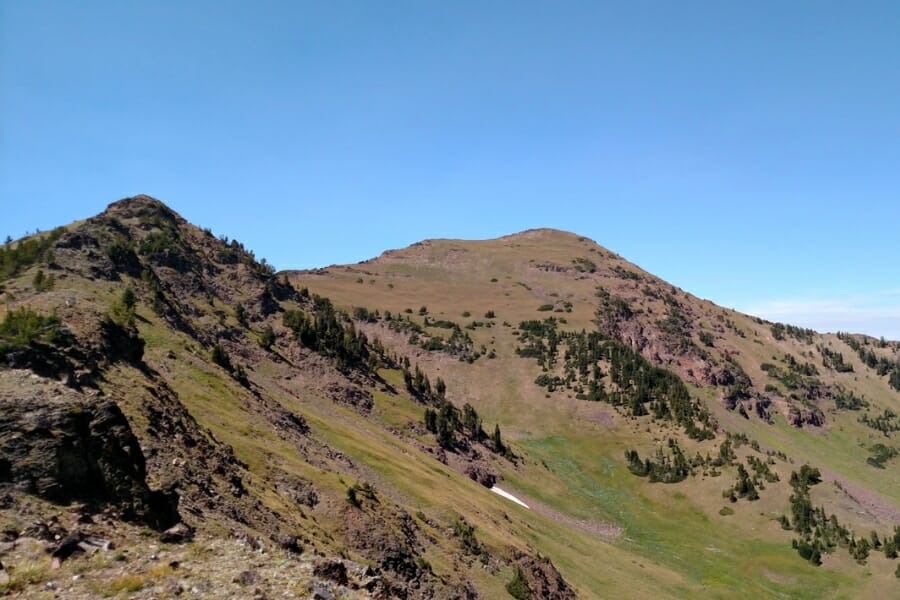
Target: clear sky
x,y
748,152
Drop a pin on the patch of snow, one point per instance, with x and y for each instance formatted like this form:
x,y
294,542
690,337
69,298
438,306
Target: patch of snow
x,y
508,496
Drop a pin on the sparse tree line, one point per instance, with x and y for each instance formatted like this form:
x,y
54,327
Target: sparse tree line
x,y
817,532
820,533
882,365
630,383
458,344
801,381
453,428
887,422
781,331
834,360
323,329
673,465
16,257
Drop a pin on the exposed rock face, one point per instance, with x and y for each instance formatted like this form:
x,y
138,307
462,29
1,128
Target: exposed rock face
x,y
543,578
65,447
798,417
389,537
482,473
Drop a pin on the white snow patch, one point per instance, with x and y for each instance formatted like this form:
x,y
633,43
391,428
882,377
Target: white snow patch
x,y
508,496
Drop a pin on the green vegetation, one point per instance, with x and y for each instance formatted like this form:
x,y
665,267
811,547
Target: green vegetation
x,y
240,313
15,257
328,333
518,586
459,344
818,533
584,265
626,274
24,328
357,492
164,249
743,487
802,382
834,360
119,330
880,454
267,338
781,331
632,383
887,422
881,364
42,282
844,400
664,468
221,358
466,534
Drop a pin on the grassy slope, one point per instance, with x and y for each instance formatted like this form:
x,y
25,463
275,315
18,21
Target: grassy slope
x,y
674,534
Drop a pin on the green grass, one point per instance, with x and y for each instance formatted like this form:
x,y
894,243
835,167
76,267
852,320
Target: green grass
x,y
678,534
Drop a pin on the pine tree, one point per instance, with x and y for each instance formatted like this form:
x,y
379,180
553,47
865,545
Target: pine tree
x,y
497,441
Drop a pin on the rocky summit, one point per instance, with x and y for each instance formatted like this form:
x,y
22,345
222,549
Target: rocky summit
x,y
525,417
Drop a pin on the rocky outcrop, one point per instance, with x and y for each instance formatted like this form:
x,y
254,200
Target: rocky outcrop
x,y
798,417
543,579
66,447
481,472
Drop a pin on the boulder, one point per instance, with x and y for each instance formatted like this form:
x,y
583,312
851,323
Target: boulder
x,y
67,447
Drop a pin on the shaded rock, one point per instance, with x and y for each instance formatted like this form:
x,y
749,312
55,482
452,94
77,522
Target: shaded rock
x,y
482,473
333,570
798,417
177,534
320,591
246,578
291,543
75,448
69,545
299,491
351,395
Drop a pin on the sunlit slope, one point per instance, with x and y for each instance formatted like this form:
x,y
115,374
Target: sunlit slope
x,y
574,449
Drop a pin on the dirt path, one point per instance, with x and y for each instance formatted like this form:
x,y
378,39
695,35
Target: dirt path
x,y
869,502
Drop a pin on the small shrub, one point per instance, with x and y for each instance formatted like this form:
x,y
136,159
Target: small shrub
x,y
128,583
466,535
240,313
518,586
221,358
42,282
267,338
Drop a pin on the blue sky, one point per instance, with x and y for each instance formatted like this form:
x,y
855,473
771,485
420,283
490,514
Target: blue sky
x,y
747,152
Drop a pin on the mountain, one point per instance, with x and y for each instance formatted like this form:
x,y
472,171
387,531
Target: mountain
x,y
177,417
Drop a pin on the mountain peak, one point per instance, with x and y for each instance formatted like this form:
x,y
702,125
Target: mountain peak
x,y
142,206
543,232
